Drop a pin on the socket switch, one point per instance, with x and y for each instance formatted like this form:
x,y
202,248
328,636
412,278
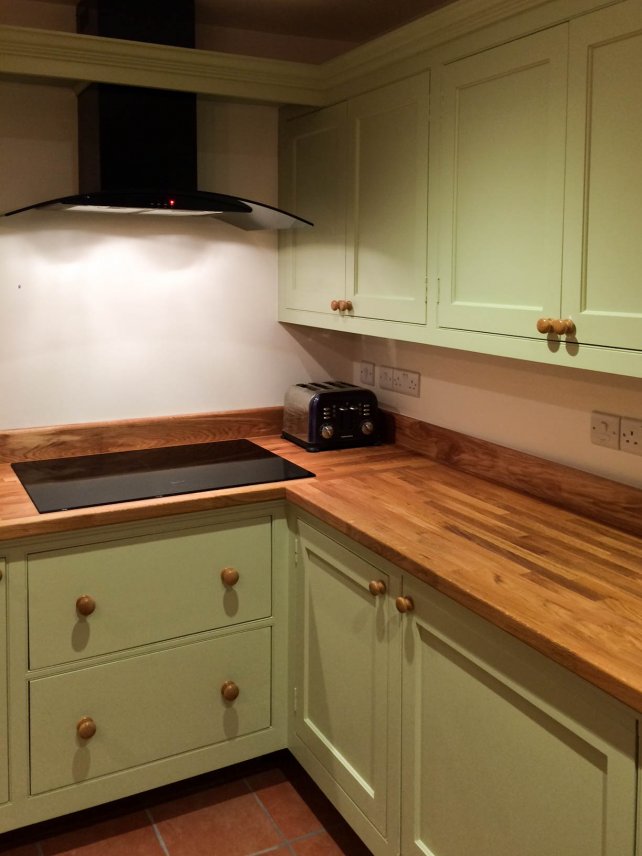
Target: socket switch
x,y
367,373
605,430
405,382
386,377
631,435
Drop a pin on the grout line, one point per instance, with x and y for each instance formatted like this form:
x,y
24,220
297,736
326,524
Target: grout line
x,y
39,849
265,811
157,832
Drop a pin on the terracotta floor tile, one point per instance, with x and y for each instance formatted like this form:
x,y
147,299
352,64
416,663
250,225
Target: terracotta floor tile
x,y
129,835
290,812
223,821
318,845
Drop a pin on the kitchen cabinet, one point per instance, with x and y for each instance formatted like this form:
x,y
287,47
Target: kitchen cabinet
x,y
345,728
539,215
358,170
603,217
501,185
4,754
142,654
502,751
505,752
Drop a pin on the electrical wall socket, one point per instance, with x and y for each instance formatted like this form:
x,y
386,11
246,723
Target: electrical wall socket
x,y
605,430
631,435
367,373
386,377
405,382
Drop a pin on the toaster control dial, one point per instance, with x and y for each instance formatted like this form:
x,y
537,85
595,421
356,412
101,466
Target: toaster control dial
x,y
367,427
327,431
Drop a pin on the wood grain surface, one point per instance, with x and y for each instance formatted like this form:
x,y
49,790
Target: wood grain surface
x,y
568,585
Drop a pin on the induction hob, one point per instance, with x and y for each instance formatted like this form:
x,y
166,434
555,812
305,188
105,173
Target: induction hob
x,y
65,483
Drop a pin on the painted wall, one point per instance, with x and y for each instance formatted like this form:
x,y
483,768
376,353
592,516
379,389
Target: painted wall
x,y
539,409
109,317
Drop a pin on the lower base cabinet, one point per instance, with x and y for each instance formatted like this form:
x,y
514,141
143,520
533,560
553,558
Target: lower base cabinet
x,y
459,739
4,754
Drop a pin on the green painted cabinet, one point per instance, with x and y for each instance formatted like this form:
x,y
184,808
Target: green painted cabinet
x,y
603,220
500,174
484,746
505,752
359,170
539,180
345,728
141,654
4,754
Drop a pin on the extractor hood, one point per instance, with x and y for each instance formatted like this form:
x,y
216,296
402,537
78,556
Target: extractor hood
x,y
137,146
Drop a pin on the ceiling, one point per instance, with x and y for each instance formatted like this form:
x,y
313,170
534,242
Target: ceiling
x,y
353,21
340,20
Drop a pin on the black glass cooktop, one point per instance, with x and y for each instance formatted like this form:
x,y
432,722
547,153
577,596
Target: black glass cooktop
x,y
64,483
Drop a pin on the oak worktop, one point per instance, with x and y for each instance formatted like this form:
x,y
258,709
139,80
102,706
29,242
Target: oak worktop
x,y
568,585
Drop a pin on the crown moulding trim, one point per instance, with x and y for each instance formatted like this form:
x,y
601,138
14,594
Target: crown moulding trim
x,y
57,56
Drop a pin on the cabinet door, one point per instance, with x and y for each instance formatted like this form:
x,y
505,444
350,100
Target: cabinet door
x,y
603,227
387,205
312,261
347,677
4,753
505,752
500,172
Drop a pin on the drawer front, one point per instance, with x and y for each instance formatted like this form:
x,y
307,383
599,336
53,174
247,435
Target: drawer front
x,y
148,707
146,590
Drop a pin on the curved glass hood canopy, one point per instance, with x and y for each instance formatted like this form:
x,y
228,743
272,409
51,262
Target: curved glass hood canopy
x,y
137,147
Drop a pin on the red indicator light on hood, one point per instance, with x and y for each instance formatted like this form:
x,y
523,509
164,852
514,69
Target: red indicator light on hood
x,y
172,202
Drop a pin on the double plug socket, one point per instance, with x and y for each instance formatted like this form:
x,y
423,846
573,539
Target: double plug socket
x,y
616,432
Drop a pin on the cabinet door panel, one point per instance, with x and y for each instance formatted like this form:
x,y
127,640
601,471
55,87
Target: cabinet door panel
x,y
4,753
505,753
603,262
501,195
345,671
312,261
146,590
147,707
387,208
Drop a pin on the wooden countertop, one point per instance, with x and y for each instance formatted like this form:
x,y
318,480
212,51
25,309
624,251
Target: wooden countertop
x,y
567,585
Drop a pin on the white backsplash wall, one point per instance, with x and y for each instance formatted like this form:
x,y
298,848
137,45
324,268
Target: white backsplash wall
x,y
117,317
536,408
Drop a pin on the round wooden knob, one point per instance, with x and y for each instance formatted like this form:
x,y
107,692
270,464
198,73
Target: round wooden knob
x,y
334,305
377,587
230,576
545,325
345,305
405,604
85,604
563,327
229,691
86,727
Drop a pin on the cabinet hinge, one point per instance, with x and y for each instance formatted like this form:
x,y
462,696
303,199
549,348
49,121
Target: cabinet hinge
x,y
295,699
296,550
438,290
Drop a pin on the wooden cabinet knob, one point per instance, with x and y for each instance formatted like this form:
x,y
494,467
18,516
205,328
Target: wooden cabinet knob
x,y
86,727
377,587
405,604
563,327
229,691
559,326
230,576
341,305
85,604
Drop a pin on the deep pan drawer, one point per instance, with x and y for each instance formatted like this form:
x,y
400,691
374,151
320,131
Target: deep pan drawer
x,y
147,707
100,598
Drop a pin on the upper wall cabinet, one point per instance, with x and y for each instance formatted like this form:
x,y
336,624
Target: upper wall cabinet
x,y
359,171
538,200
603,219
501,185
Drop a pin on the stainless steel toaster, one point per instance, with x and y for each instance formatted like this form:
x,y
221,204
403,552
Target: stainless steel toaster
x,y
330,415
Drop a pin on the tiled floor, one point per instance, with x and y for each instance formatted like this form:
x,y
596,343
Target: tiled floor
x,y
267,806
